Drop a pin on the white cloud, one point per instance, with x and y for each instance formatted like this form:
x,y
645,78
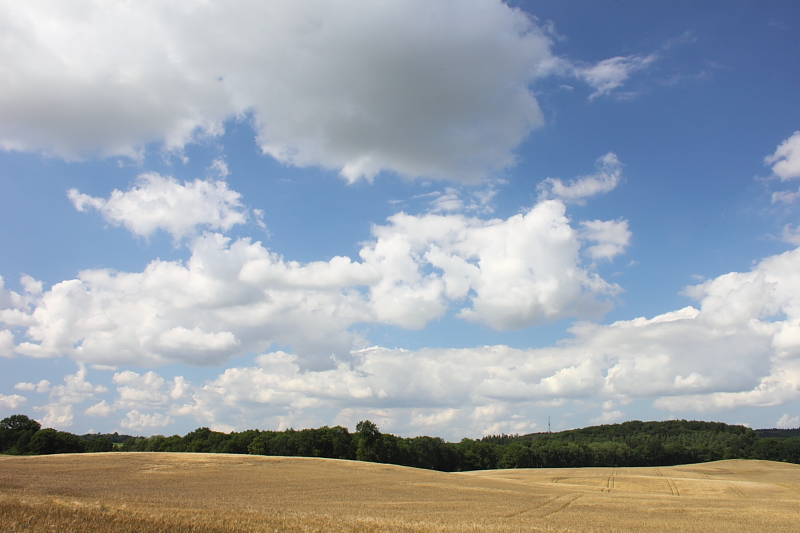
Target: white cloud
x,y
740,348
57,415
621,401
786,422
159,202
139,391
455,200
606,179
791,234
234,297
786,197
180,388
608,417
12,401
224,291
14,308
496,417
182,339
30,285
610,74
100,409
611,236
384,386
522,270
436,419
147,391
220,168
75,388
6,343
41,387
786,160
771,391
449,201
139,421
420,87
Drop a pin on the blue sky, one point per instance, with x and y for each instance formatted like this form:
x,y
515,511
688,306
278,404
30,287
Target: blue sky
x,y
450,218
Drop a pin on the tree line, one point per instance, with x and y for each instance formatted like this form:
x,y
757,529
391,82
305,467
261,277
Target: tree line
x,y
628,444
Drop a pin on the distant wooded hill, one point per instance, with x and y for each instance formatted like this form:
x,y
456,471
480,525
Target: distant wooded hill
x,y
628,444
778,433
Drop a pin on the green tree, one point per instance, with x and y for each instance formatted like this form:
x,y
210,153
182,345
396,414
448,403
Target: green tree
x,y
99,444
49,441
259,445
477,454
16,432
334,443
134,444
367,437
19,423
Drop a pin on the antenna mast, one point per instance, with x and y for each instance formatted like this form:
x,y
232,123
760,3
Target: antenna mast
x,y
548,423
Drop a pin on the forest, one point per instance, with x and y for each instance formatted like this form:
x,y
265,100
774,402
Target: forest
x,y
632,443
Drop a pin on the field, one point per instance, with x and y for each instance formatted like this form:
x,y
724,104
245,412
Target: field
x,y
160,492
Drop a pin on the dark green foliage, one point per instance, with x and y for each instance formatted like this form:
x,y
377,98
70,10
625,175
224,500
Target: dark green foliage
x,y
778,433
16,432
632,443
637,444
502,439
478,454
50,441
98,444
629,444
332,443
19,423
114,438
781,449
369,444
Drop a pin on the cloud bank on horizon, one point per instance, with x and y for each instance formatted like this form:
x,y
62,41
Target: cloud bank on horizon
x,y
437,98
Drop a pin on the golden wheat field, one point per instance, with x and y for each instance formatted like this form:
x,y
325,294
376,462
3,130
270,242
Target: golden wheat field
x,y
163,492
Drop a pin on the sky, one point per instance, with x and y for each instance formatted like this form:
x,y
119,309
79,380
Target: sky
x,y
450,217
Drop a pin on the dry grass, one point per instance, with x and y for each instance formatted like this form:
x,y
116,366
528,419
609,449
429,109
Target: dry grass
x,y
203,493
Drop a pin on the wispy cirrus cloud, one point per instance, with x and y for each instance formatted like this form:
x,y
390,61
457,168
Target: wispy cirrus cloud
x,y
605,77
608,176
610,74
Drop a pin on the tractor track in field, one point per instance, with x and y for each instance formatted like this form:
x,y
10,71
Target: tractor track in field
x,y
611,482
550,507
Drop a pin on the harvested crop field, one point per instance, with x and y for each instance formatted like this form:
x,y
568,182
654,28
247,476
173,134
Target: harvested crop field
x,y
162,492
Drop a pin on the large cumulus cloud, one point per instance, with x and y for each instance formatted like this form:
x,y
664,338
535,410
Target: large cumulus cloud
x,y
232,297
420,87
740,348
236,296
